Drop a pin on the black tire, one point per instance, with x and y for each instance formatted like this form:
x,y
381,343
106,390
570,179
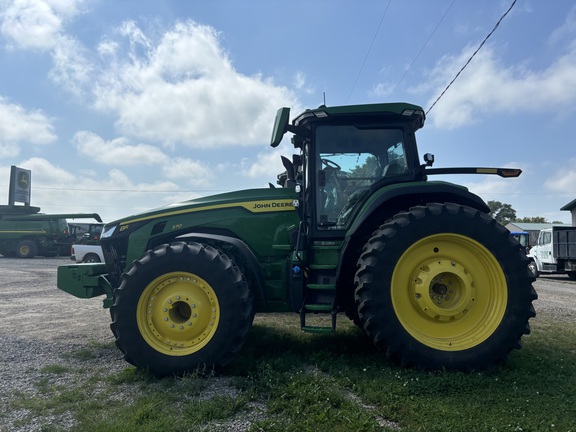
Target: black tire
x,y
91,258
443,286
26,249
571,275
533,269
181,308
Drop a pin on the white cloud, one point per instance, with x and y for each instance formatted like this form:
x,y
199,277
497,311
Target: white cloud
x,y
195,172
183,89
118,151
488,86
71,67
36,24
268,164
179,88
491,185
44,172
40,25
17,125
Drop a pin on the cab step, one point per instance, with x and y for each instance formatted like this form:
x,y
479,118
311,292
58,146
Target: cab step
x,y
317,329
318,309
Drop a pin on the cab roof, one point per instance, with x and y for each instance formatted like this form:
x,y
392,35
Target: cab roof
x,y
399,109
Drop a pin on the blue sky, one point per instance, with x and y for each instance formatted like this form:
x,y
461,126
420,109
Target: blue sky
x,y
121,106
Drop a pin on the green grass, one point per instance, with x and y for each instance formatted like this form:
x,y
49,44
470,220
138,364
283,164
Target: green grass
x,y
288,380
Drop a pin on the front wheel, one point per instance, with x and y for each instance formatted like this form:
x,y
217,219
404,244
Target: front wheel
x,y
26,249
533,269
443,286
180,308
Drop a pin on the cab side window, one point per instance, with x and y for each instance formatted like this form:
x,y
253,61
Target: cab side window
x,y
349,160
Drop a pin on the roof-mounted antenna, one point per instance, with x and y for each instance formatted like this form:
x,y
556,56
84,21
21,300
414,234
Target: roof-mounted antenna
x,y
324,93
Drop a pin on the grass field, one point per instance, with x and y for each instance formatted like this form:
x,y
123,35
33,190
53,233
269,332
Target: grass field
x,y
287,380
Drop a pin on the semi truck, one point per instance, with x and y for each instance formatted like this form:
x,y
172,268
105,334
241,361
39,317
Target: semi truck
x,y
555,252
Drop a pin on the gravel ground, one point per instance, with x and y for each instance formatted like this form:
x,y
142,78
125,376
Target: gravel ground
x,y
41,324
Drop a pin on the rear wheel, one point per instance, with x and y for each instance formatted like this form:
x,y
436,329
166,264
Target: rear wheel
x,y
26,249
572,275
91,258
180,308
444,287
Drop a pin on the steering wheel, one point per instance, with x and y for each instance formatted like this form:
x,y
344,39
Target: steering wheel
x,y
330,164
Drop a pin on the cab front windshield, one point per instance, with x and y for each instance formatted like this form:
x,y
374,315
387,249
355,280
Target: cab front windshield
x,y
349,159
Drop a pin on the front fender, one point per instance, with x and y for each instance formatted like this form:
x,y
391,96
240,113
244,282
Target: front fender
x,y
251,267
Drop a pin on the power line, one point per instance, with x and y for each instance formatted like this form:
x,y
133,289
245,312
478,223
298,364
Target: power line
x,y
368,53
472,56
421,49
129,190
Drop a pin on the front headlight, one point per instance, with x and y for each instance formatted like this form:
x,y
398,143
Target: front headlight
x,y
108,231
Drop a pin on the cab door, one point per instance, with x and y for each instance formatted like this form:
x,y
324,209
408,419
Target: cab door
x,y
545,248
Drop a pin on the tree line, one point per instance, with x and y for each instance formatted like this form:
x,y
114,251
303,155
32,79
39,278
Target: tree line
x,y
504,213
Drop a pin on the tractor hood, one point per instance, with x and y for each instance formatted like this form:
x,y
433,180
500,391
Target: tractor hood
x,y
250,201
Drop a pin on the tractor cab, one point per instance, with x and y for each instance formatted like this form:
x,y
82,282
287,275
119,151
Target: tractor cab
x,y
346,155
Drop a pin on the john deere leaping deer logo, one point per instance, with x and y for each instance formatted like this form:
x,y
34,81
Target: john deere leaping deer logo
x,y
23,180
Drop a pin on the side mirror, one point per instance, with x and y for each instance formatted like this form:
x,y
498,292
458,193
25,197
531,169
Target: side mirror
x,y
280,126
429,159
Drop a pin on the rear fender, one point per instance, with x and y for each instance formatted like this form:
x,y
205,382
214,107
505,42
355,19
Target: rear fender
x,y
382,205
389,200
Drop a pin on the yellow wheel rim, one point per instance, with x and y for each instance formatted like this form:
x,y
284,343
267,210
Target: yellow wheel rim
x,y
178,313
449,292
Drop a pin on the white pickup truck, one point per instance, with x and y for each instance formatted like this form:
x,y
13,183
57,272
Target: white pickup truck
x,y
87,253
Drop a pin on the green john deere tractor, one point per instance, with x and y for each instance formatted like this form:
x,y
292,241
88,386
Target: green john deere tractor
x,y
355,229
